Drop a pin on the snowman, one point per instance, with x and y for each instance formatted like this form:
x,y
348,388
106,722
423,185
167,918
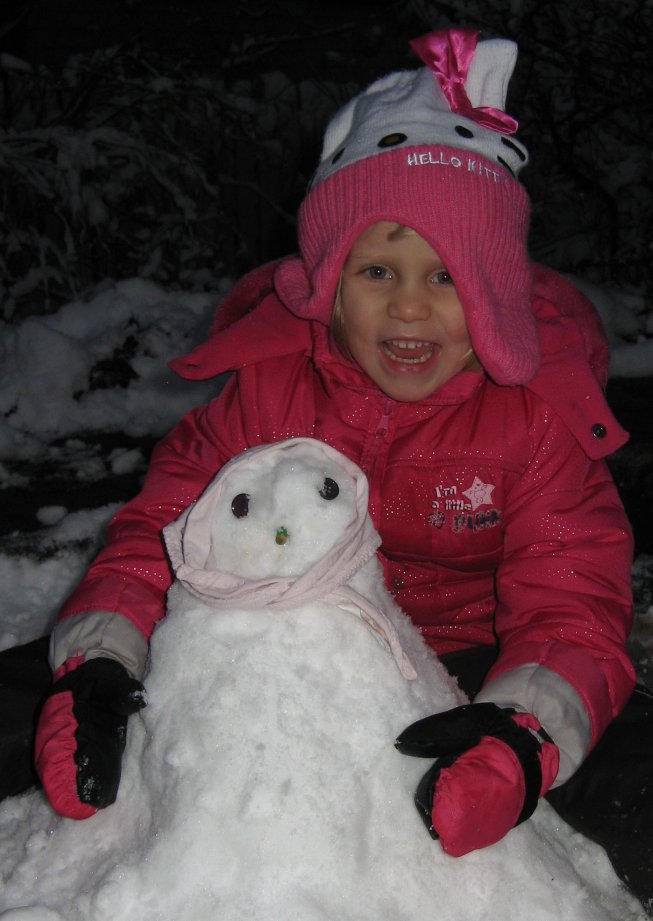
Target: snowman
x,y
261,782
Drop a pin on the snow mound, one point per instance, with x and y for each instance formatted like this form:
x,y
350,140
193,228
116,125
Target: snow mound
x,y
99,365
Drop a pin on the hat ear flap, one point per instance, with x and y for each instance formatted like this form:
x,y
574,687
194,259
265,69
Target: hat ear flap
x,y
490,72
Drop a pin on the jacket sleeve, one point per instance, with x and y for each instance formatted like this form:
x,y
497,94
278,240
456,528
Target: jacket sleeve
x,y
564,596
131,575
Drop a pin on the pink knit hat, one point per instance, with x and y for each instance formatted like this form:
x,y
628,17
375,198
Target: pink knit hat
x,y
431,149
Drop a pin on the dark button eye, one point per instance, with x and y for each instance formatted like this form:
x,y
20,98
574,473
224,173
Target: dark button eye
x,y
240,505
506,165
391,140
330,488
508,143
599,431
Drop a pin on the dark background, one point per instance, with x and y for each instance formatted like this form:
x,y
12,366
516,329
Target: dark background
x,y
173,140
229,101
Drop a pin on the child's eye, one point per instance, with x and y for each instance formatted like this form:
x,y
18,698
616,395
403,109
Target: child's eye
x,y
442,278
377,272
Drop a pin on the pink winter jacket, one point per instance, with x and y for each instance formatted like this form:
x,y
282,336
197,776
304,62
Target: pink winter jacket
x,y
500,522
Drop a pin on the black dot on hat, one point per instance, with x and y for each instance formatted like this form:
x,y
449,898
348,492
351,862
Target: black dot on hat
x,y
506,165
464,132
336,157
391,140
520,153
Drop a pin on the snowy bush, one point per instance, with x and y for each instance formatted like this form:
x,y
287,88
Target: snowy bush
x,y
125,166
126,162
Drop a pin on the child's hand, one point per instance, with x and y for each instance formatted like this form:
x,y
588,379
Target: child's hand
x,y
81,735
490,773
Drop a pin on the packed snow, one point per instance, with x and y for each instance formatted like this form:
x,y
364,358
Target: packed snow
x,y
312,821
53,368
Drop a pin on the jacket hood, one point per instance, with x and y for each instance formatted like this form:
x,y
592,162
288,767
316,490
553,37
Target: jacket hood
x,y
574,365
252,324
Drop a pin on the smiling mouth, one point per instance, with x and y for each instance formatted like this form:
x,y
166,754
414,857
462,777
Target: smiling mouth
x,y
408,351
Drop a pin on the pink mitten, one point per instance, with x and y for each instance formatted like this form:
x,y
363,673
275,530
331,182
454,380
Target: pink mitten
x,y
493,765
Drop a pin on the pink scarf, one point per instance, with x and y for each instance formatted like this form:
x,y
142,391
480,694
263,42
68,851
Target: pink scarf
x,y
188,541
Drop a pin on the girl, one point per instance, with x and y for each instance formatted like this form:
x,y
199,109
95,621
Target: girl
x,y
413,334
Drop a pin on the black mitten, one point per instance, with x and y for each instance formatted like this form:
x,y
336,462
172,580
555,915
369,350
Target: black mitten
x,y
81,735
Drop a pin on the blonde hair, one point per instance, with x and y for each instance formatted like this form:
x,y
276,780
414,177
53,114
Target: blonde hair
x,y
337,325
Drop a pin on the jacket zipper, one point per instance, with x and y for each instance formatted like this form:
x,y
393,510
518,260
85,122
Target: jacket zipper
x,y
375,458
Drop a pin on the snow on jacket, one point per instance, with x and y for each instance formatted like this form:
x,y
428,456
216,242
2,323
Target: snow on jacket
x,y
499,519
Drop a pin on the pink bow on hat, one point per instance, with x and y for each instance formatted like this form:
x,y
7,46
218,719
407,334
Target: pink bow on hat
x,y
449,54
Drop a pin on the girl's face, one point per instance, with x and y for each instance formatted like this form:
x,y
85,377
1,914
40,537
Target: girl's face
x,y
402,322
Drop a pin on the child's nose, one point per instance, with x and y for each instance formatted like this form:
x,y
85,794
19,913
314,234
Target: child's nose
x,y
409,302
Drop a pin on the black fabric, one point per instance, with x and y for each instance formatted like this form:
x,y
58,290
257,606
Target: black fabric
x,y
426,791
104,695
25,679
456,731
470,666
610,797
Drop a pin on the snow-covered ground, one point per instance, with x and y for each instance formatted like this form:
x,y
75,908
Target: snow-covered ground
x,y
83,393
95,369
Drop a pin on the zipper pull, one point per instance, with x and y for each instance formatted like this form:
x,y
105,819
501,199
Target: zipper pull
x,y
384,421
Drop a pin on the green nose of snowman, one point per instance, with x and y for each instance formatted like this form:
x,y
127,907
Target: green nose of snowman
x,y
282,536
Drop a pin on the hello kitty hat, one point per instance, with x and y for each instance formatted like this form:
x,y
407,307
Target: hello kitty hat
x,y
434,150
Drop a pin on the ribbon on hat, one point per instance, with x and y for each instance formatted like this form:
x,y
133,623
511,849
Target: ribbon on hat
x,y
449,54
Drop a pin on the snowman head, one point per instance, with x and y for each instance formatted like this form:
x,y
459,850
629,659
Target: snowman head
x,y
281,525
277,522
281,512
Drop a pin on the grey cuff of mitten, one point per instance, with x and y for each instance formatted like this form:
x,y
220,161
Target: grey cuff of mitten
x,y
100,634
536,689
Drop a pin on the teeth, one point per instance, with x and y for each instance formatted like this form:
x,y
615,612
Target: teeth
x,y
408,346
404,344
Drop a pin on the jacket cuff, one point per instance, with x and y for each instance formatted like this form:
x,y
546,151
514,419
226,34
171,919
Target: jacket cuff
x,y
99,634
536,689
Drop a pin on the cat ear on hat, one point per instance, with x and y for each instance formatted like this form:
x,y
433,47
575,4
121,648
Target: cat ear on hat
x,y
337,131
360,128
490,71
473,75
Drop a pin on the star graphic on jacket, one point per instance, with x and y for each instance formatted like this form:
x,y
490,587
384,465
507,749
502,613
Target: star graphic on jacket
x,y
479,493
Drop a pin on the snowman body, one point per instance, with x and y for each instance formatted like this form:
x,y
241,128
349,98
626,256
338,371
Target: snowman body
x,y
308,805
310,801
